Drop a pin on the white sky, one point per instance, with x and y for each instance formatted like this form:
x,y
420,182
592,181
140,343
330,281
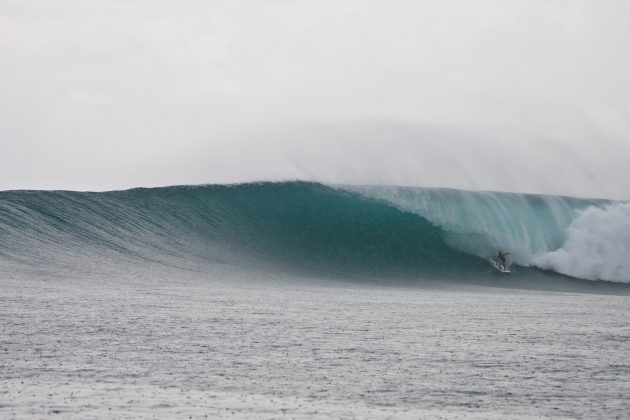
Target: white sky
x,y
530,96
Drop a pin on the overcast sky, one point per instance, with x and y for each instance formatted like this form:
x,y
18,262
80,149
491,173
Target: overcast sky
x,y
530,96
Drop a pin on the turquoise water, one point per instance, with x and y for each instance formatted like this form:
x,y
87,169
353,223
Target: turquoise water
x,y
296,227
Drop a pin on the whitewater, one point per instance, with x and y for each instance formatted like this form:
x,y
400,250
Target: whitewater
x,y
305,300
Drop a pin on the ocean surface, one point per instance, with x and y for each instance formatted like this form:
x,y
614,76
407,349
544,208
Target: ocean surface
x,y
302,300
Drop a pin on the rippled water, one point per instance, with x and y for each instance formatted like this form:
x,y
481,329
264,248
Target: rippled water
x,y
195,348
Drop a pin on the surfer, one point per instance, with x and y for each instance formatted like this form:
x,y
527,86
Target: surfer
x,y
500,259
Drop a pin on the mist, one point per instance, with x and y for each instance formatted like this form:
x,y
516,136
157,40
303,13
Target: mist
x,y
525,96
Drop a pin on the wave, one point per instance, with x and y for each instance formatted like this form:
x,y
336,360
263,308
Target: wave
x,y
376,231
582,238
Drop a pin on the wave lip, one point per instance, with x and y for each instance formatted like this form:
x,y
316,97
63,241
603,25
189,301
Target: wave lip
x,y
375,231
582,238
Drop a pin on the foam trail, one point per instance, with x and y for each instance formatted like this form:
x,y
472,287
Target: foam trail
x,y
597,246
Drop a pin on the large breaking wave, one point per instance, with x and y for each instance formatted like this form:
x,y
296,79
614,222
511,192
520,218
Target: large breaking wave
x,y
372,231
588,239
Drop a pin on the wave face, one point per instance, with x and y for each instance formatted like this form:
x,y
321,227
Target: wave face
x,y
312,228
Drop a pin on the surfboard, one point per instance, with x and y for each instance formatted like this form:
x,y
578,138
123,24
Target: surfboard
x,y
500,268
503,270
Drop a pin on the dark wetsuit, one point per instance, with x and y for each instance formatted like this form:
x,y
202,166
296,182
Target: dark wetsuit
x,y
501,258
